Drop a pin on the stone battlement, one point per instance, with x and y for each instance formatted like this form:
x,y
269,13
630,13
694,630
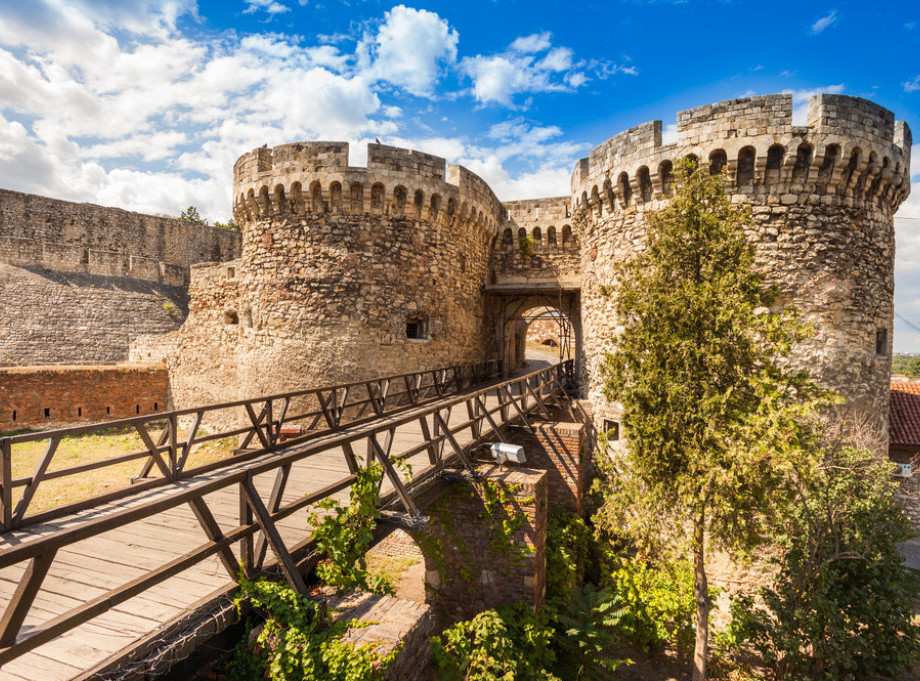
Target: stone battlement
x,y
851,149
315,178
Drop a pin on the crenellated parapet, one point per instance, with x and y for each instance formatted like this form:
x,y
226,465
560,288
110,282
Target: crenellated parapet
x,y
314,178
852,152
822,198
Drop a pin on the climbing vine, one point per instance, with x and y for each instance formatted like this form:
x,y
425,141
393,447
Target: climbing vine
x,y
298,641
343,534
503,522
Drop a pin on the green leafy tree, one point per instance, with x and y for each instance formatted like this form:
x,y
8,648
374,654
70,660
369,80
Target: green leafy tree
x,y
715,421
841,607
229,224
191,215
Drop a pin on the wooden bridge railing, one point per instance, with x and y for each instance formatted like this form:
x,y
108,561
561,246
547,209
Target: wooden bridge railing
x,y
319,410
487,411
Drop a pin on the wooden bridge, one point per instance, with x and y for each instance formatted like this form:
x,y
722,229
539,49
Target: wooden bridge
x,y
90,588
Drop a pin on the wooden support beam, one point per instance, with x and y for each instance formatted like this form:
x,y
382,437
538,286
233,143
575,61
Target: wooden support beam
x,y
37,476
267,525
215,534
274,503
21,602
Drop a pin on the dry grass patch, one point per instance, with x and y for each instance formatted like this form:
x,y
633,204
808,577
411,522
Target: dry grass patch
x,y
82,449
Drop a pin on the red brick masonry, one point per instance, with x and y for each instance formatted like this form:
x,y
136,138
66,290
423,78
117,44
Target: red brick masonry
x,y
465,572
51,395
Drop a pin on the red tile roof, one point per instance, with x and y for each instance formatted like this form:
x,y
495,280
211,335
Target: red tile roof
x,y
904,414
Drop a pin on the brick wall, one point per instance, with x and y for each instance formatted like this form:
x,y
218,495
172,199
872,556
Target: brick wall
x,y
46,396
467,569
559,449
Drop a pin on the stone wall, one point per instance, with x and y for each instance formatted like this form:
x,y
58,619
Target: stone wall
x,y
822,196
537,244
80,282
388,622
561,450
49,396
545,331
346,273
37,231
49,317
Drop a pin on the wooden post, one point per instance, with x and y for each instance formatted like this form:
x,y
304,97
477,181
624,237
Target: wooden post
x,y
6,480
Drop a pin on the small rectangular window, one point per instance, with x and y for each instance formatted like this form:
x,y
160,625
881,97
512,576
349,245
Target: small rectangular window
x,y
612,429
881,342
417,327
47,412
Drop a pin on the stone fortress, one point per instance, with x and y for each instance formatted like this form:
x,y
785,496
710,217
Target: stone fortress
x,y
409,263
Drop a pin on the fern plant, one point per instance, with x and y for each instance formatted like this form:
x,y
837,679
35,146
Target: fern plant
x,y
585,634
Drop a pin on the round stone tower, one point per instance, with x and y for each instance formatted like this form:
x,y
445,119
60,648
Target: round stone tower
x,y
346,273
822,195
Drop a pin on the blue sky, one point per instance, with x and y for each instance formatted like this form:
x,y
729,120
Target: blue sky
x,y
145,104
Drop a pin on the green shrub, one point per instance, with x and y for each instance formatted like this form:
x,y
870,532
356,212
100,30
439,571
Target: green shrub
x,y
297,643
507,643
584,635
568,540
658,603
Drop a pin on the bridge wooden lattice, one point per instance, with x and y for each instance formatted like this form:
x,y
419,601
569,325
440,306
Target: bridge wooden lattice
x,y
86,586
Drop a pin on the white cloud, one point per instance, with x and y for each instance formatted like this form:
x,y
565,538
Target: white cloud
x,y
669,134
822,23
154,121
549,180
800,100
410,50
174,110
267,6
532,43
498,78
912,85
530,65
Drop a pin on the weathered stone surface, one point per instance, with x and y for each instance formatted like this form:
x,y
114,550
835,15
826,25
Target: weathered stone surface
x,y
79,282
822,197
338,263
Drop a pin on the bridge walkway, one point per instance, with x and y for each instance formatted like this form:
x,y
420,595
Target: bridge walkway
x,y
83,572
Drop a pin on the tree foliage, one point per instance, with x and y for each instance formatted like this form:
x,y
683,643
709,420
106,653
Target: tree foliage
x,y
230,224
715,419
298,642
841,607
191,215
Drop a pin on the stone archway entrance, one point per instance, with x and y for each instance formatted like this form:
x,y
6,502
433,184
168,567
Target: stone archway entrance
x,y
512,310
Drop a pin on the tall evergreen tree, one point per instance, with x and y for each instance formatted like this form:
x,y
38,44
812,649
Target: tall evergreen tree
x,y
714,418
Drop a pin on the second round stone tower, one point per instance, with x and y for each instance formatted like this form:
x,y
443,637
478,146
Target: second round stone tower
x,y
822,197
346,272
